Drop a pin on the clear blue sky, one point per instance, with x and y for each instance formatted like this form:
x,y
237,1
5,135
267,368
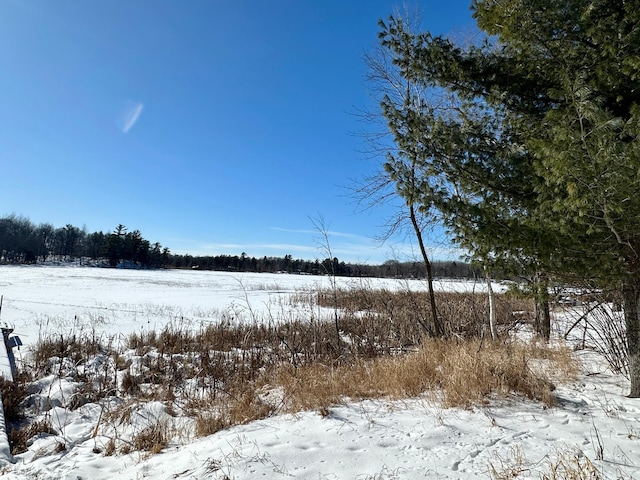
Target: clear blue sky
x,y
213,127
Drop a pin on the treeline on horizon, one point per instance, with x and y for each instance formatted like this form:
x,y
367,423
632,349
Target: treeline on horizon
x,y
22,242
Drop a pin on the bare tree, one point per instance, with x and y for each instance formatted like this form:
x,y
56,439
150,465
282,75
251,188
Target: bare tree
x,y
399,176
323,230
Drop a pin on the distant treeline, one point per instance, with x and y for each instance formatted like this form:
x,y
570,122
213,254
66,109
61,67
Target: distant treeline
x,y
22,242
288,264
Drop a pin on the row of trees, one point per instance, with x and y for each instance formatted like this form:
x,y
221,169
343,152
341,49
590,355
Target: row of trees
x,y
525,144
244,263
328,266
23,242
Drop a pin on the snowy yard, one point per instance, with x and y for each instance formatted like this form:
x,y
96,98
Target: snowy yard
x,y
371,439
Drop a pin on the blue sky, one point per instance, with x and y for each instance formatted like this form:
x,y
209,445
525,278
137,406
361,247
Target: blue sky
x,y
213,127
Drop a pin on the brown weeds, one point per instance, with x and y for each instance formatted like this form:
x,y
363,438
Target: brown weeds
x,y
76,347
463,314
463,371
20,436
12,394
227,373
152,439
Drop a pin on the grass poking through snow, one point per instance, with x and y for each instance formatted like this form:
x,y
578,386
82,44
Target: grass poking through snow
x,y
232,372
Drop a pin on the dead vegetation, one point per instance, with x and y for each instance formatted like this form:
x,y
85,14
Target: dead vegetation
x,y
570,464
228,372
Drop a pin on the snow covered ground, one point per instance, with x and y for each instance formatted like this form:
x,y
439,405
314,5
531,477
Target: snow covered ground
x,y
412,439
39,299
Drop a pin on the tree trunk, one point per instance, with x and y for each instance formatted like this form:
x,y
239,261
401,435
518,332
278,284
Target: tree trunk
x,y
542,318
437,326
492,308
631,301
542,314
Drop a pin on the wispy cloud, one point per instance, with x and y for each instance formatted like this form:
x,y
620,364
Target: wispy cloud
x,y
330,233
129,115
277,248
351,248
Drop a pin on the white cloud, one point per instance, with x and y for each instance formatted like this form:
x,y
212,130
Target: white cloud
x,y
129,115
275,248
317,232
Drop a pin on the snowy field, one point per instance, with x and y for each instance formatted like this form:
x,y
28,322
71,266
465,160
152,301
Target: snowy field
x,y
40,299
413,439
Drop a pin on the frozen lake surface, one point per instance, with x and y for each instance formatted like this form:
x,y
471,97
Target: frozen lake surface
x,y
39,299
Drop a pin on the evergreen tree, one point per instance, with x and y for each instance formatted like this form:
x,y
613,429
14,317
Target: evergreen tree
x,y
407,164
538,147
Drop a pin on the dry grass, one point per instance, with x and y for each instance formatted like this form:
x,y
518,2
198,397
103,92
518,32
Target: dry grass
x,y
19,430
464,372
228,373
12,394
19,436
241,406
75,347
152,439
510,468
568,465
463,314
572,465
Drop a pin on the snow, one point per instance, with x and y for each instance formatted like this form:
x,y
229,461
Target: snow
x,y
411,439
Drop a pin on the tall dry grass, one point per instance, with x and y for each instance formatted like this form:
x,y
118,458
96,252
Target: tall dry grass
x,y
461,372
227,373
403,312
567,465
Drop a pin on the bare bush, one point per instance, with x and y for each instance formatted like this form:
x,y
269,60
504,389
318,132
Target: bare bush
x,y
600,326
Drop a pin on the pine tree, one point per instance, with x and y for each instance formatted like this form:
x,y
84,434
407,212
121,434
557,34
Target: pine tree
x,y
537,149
